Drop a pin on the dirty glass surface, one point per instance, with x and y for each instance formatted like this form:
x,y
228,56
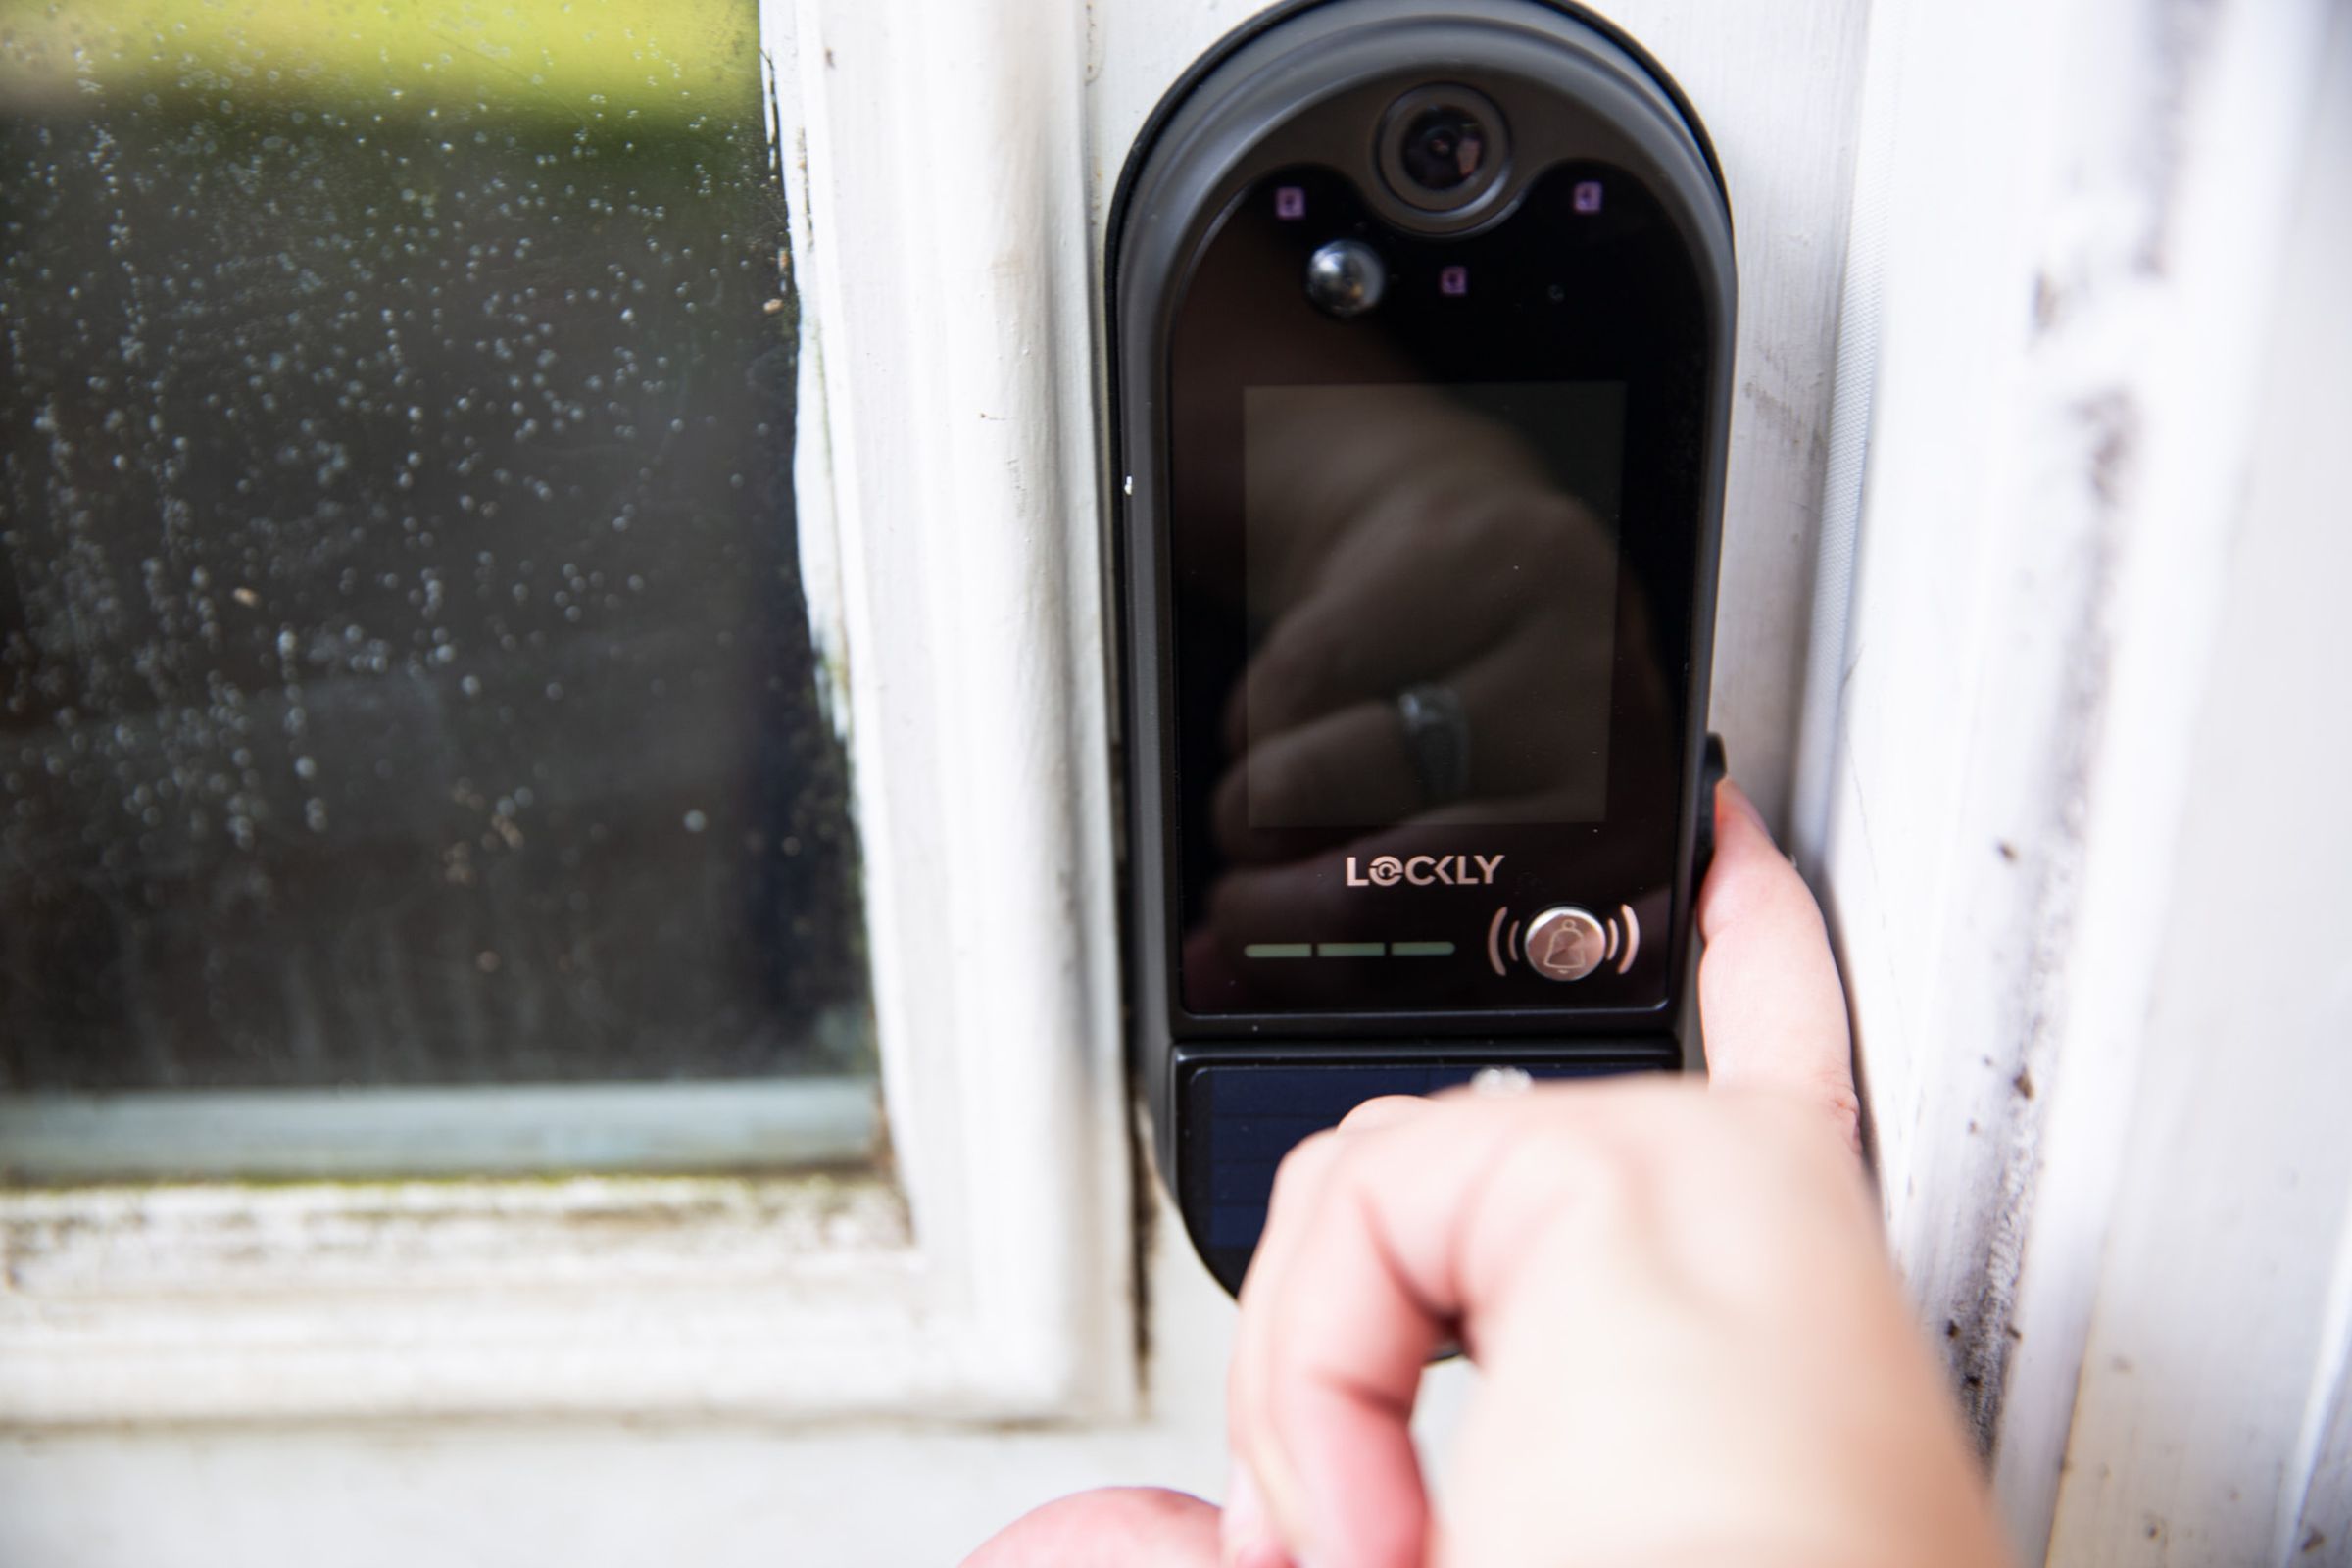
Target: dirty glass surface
x,y
405,675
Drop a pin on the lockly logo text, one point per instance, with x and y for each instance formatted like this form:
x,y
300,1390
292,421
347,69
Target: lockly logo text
x,y
1451,870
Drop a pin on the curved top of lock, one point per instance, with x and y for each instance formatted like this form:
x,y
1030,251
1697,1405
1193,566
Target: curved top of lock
x,y
1304,82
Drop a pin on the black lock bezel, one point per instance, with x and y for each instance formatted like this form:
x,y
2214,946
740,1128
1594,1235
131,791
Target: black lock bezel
x,y
1298,97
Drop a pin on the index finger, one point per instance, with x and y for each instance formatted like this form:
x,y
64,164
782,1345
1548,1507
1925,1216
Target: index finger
x,y
1414,1228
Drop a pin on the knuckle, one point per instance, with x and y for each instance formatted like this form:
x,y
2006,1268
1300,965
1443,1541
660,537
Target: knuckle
x,y
1798,1114
1279,778
1549,1187
1601,1174
1148,1511
1844,1109
1381,1111
1555,1174
1292,667
1299,1169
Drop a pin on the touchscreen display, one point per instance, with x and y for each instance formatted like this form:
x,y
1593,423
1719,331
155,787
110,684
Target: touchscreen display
x,y
1428,575
1431,582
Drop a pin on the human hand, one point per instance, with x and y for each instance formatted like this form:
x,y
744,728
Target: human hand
x,y
1693,1350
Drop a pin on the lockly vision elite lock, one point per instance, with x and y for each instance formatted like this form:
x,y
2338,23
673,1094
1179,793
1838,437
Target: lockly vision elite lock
x,y
1421,325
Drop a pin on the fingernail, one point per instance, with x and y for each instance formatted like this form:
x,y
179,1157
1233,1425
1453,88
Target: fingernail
x,y
1737,798
1248,1528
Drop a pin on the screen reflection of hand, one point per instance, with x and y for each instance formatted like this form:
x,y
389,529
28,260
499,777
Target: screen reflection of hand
x,y
1424,549
1401,542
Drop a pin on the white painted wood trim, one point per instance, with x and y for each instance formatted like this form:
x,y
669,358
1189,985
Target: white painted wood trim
x,y
947,489
219,1301
2081,271
949,272
2212,1313
1846,466
2319,1478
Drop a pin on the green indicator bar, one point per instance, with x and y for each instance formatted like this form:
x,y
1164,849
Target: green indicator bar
x,y
1421,949
1350,950
1279,949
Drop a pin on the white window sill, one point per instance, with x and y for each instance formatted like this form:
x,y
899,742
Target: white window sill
x,y
951,543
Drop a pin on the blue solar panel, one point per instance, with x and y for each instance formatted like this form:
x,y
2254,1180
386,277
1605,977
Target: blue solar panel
x,y
1254,1115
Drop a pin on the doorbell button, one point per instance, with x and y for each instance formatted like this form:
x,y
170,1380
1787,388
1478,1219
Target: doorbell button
x,y
1347,278
1565,943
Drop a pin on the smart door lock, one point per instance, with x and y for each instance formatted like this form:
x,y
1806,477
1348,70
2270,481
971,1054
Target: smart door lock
x,y
1420,318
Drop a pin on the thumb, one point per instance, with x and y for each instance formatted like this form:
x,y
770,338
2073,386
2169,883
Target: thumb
x,y
1769,999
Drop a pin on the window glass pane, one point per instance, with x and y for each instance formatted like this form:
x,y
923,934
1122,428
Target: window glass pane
x,y
405,677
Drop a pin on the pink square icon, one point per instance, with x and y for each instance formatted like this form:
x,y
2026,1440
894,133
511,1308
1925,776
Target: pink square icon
x,y
1586,196
1290,201
1454,280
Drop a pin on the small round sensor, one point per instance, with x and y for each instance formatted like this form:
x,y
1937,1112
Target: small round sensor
x,y
1347,278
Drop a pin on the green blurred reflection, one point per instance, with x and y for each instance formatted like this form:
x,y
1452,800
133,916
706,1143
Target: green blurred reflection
x,y
405,673
589,62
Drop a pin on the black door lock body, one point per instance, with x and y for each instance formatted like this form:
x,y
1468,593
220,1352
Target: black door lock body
x,y
1420,326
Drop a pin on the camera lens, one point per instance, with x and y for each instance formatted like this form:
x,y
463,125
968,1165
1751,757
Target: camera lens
x,y
1443,147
